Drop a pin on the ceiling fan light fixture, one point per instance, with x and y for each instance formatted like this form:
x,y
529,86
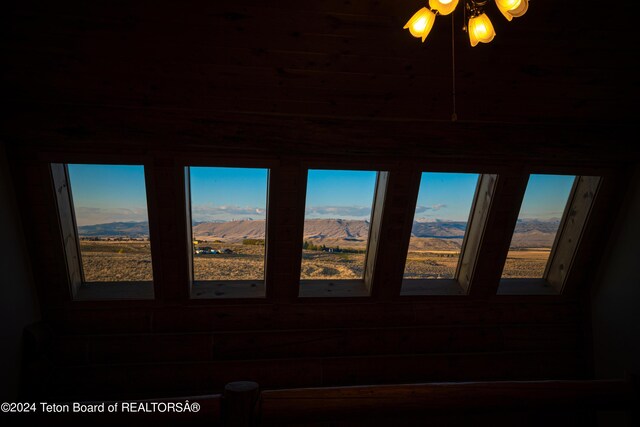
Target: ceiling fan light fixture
x,y
480,29
478,26
421,23
512,8
444,7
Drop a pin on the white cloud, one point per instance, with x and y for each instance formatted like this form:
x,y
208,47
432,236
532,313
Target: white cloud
x,y
432,208
203,213
89,216
343,212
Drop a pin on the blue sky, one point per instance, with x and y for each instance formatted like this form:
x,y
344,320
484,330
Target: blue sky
x,y
445,196
225,194
108,193
448,196
339,194
546,196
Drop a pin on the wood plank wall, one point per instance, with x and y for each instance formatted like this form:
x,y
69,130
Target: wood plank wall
x,y
291,84
174,345
326,58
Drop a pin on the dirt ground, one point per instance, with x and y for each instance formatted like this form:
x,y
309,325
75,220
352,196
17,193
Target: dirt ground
x,y
526,263
106,261
431,265
245,263
323,265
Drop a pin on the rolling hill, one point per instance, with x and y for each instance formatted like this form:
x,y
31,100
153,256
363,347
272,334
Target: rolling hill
x,y
437,235
115,229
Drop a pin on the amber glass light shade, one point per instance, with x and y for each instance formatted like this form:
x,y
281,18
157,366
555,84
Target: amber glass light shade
x,y
512,8
480,30
421,23
444,7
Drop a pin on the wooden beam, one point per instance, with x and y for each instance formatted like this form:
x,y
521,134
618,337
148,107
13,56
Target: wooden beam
x,y
476,228
165,201
287,187
67,220
492,252
127,130
571,230
373,245
396,223
369,402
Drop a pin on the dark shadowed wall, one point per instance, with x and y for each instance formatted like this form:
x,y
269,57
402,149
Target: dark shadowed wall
x,y
18,306
616,296
616,301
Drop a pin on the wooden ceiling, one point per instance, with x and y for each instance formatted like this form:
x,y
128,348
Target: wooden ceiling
x,y
78,70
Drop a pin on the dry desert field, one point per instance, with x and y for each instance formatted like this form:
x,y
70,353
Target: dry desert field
x,y
116,261
109,261
526,263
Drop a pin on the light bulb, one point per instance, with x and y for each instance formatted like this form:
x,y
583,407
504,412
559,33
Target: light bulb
x,y
444,7
421,23
480,30
512,8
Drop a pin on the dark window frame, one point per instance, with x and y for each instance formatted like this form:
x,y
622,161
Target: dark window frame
x,y
79,288
341,288
225,289
580,203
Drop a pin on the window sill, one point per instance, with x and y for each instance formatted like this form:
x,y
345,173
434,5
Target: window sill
x,y
526,287
92,291
228,289
332,288
412,287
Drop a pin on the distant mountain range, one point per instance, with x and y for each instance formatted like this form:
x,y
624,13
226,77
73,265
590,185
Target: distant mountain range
x,y
528,233
439,229
115,229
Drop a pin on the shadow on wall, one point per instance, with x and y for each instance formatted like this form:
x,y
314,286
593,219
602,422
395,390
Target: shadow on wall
x,y
615,300
18,303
